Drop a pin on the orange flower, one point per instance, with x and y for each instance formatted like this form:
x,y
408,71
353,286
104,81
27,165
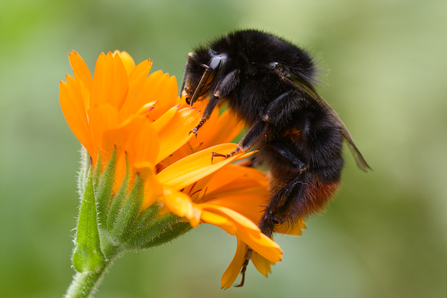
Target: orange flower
x,y
138,121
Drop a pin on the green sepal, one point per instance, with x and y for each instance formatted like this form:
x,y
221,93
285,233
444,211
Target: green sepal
x,y
87,256
130,210
143,221
159,231
170,234
103,190
83,171
97,171
118,202
115,223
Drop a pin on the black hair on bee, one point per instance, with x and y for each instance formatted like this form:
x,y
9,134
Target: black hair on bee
x,y
268,83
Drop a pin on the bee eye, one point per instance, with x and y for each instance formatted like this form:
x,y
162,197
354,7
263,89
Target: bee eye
x,y
274,65
216,61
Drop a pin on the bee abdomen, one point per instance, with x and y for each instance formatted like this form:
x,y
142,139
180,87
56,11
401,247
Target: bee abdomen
x,y
316,196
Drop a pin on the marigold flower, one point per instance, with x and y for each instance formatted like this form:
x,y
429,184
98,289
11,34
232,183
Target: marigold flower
x,y
136,131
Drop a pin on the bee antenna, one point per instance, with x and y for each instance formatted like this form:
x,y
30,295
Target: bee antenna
x,y
200,85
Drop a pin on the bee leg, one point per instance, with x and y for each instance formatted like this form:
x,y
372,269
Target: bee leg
x,y
269,220
223,88
227,84
206,114
286,198
280,148
225,156
248,140
244,267
267,232
286,204
280,109
279,209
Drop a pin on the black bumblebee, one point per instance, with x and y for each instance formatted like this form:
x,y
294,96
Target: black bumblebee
x,y
269,84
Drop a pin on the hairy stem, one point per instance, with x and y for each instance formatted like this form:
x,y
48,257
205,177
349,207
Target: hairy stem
x,y
85,284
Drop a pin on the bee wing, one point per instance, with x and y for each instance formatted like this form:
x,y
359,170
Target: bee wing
x,y
306,87
361,162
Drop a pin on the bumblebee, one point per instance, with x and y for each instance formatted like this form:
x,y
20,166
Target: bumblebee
x,y
268,83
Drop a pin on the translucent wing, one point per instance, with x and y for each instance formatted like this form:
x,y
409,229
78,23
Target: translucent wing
x,y
305,86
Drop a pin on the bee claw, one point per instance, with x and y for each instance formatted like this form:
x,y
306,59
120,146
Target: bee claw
x,y
225,156
194,131
215,154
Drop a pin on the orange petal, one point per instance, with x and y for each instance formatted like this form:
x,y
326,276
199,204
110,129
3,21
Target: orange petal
x,y
141,70
176,134
74,112
262,264
120,168
252,208
243,223
196,216
180,153
224,178
147,144
165,93
235,266
264,246
208,130
136,83
146,92
153,190
195,166
240,186
232,180
128,62
198,189
118,84
110,83
227,191
220,221
250,234
123,137
178,202
161,122
78,65
99,89
181,204
144,110
85,93
102,119
225,130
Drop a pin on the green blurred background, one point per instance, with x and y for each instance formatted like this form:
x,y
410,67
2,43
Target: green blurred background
x,y
384,64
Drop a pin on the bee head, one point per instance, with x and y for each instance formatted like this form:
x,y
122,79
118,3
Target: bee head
x,y
199,85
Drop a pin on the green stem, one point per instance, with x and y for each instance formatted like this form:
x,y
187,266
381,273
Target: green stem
x,y
85,284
